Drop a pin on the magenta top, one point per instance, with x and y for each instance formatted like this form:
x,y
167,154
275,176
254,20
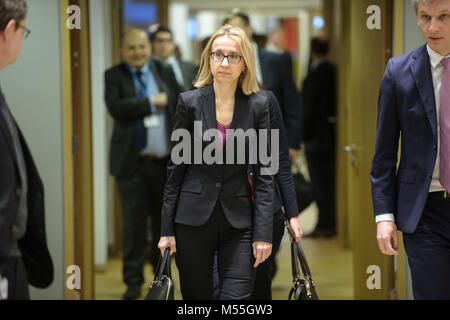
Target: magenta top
x,y
222,132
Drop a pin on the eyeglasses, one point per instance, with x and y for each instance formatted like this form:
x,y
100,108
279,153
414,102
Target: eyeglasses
x,y
232,58
26,32
163,40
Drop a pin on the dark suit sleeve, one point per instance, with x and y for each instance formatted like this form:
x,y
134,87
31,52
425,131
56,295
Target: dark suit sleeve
x,y
383,171
284,178
263,189
310,113
123,108
7,194
291,102
175,174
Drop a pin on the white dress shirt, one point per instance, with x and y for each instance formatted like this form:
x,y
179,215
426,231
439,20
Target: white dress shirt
x,y
437,69
173,61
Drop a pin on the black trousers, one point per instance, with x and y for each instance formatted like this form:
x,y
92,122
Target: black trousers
x,y
322,171
141,196
262,288
428,251
13,270
196,247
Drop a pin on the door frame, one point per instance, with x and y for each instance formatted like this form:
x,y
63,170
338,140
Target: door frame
x,y
78,196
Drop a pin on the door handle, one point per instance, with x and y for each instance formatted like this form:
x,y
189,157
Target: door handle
x,y
350,148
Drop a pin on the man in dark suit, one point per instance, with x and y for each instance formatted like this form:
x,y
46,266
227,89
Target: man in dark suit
x,y
164,49
24,256
141,96
274,73
319,103
414,104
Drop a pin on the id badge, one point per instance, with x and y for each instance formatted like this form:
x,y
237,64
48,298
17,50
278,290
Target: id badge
x,y
151,122
3,288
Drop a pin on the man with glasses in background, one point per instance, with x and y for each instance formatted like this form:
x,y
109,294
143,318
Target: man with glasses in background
x,y
164,50
24,256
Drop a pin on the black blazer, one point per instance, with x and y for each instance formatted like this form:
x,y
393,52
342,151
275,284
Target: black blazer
x,y
284,183
126,107
319,95
192,190
33,246
277,77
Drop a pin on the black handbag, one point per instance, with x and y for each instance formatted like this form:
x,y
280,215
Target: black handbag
x,y
162,287
302,288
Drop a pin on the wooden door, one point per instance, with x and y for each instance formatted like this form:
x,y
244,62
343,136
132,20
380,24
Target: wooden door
x,y
369,51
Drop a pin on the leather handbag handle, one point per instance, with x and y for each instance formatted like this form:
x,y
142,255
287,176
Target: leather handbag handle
x,y
298,254
163,266
303,261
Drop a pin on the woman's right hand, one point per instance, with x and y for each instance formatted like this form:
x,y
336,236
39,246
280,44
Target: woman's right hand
x,y
167,242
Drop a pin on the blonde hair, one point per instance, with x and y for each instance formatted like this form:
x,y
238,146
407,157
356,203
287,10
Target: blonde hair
x,y
416,4
247,80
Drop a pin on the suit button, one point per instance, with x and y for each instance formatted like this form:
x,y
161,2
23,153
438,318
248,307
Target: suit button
x,y
218,185
18,191
434,147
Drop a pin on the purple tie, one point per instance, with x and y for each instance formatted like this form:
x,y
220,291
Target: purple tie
x,y
444,122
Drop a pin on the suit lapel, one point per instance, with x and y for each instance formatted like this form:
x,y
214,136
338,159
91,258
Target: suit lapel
x,y
4,127
209,107
159,82
240,110
421,70
128,81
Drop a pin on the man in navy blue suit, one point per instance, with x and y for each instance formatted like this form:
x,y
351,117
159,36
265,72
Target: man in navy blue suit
x,y
414,104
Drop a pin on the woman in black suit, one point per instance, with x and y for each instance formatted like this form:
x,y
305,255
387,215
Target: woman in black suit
x,y
209,207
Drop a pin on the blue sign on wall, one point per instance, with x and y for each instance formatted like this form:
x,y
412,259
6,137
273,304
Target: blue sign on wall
x,y
140,12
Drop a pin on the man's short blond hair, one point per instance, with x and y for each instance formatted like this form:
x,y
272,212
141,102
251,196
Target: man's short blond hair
x,y
247,81
416,4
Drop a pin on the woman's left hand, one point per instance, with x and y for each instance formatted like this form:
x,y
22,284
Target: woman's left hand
x,y
295,226
261,251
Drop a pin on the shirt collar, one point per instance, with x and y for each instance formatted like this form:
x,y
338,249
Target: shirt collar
x,y
172,59
317,63
144,68
435,58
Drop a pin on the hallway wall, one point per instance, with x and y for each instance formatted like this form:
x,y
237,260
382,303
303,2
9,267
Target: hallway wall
x,y
412,35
